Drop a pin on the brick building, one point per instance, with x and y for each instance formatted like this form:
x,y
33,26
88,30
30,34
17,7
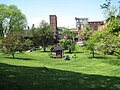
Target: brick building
x,y
53,23
94,25
82,22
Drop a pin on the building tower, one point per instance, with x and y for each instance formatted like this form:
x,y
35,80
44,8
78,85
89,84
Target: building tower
x,y
81,23
53,23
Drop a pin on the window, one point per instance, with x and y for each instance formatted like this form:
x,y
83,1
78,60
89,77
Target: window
x,y
52,20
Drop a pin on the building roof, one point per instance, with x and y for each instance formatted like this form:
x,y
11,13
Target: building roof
x,y
57,48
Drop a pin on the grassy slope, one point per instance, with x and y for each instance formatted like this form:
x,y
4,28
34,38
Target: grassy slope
x,y
84,73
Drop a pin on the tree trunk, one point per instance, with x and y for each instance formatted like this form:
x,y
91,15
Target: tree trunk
x,y
13,55
44,49
70,50
93,54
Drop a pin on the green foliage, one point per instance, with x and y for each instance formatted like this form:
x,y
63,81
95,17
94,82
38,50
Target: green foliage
x,y
110,36
91,45
43,35
108,42
92,42
109,9
104,41
12,43
11,19
117,52
110,39
113,25
62,41
17,20
69,33
28,44
68,44
85,34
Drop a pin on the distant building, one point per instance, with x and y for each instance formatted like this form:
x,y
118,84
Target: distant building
x,y
94,25
53,23
81,24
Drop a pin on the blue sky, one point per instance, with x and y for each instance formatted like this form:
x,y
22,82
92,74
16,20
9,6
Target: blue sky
x,y
66,10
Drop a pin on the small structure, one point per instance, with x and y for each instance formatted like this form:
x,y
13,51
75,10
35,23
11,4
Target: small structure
x,y
57,51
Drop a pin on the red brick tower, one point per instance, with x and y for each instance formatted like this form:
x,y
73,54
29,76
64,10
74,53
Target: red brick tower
x,y
53,22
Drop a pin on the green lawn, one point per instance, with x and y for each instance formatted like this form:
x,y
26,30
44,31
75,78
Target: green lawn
x,y
37,71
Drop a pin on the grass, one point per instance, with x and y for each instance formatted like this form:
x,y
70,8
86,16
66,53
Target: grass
x,y
37,71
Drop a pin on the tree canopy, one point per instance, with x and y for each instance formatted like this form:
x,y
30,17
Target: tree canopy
x,y
11,19
12,43
43,35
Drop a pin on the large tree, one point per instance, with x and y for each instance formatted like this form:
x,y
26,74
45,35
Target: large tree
x,y
68,43
92,43
109,41
43,35
11,19
12,43
69,34
3,15
110,10
112,14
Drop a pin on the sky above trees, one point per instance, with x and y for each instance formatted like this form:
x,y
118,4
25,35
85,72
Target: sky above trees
x,y
66,10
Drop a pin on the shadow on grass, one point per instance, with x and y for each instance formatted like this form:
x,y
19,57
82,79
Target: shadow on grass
x,y
73,52
42,78
19,58
45,51
98,57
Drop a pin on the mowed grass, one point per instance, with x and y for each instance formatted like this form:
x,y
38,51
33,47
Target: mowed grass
x,y
37,71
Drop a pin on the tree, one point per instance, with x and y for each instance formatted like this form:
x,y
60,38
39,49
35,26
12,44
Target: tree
x,y
110,10
3,15
43,35
117,50
92,42
110,38
85,34
109,42
91,45
68,44
69,33
11,19
12,43
113,25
